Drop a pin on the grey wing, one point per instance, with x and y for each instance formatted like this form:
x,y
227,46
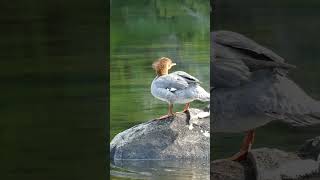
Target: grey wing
x,y
233,45
236,40
172,82
257,103
187,77
292,105
228,73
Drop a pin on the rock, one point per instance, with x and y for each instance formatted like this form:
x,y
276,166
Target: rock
x,y
185,136
272,164
311,149
227,170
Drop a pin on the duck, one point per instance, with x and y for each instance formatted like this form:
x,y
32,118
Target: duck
x,y
177,87
251,87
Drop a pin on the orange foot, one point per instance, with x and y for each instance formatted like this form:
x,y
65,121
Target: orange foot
x,y
165,116
242,155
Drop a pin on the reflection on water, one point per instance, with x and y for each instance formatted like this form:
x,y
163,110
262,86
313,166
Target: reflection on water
x,y
161,169
289,31
141,32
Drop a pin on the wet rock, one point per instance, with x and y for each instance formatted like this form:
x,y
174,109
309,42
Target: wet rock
x,y
185,136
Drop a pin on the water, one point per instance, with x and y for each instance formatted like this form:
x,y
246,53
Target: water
x,y
141,32
53,99
289,29
161,169
140,35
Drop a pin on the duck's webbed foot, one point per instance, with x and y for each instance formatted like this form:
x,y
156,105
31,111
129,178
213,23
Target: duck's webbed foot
x,y
165,116
170,113
241,155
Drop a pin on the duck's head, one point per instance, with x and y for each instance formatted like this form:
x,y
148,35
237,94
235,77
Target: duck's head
x,y
162,66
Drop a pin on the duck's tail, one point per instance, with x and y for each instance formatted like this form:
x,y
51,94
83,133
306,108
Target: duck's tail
x,y
309,118
304,120
203,95
293,105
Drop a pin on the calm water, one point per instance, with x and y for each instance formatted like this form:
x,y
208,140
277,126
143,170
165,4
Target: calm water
x,y
289,29
53,90
141,33
155,169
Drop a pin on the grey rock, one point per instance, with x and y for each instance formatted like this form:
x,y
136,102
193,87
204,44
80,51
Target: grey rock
x,y
311,149
184,136
274,164
227,170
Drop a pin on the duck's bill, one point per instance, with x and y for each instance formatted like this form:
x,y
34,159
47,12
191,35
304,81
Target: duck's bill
x,y
173,64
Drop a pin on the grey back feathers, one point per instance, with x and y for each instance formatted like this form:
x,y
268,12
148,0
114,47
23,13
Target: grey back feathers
x,y
177,80
178,87
251,87
235,56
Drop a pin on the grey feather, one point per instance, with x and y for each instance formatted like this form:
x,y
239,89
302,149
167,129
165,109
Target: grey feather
x,y
238,41
178,87
231,45
251,87
171,81
229,73
187,77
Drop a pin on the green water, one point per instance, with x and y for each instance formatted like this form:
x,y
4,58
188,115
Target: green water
x,y
141,32
53,90
290,29
140,35
146,30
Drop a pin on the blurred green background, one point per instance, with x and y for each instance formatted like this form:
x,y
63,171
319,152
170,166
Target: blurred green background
x,y
143,31
53,100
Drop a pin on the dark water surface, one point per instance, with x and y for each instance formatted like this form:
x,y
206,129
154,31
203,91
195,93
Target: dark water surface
x,y
141,32
53,90
290,29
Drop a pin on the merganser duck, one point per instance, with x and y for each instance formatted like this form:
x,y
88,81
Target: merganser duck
x,y
175,88
251,89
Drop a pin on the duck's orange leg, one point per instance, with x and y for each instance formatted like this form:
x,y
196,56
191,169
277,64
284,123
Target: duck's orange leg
x,y
186,107
245,147
170,113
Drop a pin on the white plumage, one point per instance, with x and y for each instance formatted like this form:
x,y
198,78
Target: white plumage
x,y
178,88
175,88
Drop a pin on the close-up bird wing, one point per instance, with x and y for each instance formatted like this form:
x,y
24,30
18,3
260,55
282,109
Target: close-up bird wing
x,y
261,101
172,81
228,73
227,44
238,41
187,77
250,86
294,106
